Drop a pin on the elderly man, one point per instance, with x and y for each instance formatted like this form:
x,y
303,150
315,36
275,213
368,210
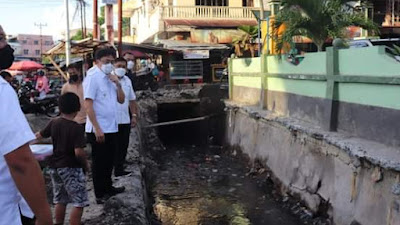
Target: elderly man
x,y
19,171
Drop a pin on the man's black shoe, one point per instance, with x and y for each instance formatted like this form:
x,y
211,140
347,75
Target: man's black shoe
x,y
116,190
102,200
121,173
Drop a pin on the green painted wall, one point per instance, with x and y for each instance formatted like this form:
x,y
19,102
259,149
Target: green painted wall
x,y
313,63
371,61
366,62
251,82
387,96
247,65
300,87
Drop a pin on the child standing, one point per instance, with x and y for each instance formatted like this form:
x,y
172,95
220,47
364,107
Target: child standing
x,y
68,162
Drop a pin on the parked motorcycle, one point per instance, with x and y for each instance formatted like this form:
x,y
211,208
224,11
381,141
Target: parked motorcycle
x,y
30,103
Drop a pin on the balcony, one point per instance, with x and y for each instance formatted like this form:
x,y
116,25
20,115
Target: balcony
x,y
209,16
207,12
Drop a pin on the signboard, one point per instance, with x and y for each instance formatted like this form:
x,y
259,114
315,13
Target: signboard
x,y
216,36
110,2
196,54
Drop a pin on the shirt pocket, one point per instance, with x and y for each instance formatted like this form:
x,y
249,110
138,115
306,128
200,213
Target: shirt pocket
x,y
102,93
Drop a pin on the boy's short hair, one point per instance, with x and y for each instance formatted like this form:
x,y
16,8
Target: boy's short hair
x,y
120,59
5,74
103,52
68,103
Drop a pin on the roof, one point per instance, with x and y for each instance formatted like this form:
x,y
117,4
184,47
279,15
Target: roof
x,y
185,45
211,23
145,48
84,46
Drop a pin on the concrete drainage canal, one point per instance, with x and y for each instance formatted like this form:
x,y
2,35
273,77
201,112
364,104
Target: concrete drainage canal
x,y
183,175
193,179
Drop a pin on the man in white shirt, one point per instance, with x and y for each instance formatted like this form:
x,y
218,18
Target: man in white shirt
x,y
102,92
124,121
19,171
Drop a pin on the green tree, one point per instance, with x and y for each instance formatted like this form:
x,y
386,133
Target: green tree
x,y
318,20
79,36
125,24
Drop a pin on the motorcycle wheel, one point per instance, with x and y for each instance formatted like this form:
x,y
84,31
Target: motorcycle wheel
x,y
52,111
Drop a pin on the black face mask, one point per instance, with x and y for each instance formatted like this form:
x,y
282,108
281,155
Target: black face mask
x,y
6,57
73,78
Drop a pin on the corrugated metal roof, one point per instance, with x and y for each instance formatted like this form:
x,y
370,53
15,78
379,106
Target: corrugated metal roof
x,y
77,47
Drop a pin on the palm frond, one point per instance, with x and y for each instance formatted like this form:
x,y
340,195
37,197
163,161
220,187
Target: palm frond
x,y
317,20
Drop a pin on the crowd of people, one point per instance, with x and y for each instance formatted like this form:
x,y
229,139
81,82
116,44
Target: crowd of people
x,y
99,109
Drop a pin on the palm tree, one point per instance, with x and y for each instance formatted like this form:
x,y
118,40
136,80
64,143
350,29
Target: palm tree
x,y
318,20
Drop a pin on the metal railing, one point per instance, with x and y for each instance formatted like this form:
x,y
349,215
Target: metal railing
x,y
188,69
207,12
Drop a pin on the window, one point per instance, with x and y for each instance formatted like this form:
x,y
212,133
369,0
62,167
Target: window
x,y
36,42
212,2
37,52
26,51
47,43
24,41
248,3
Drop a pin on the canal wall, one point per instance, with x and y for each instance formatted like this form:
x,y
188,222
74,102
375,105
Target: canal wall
x,y
326,128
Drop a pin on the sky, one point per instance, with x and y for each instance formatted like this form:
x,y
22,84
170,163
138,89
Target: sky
x,y
20,16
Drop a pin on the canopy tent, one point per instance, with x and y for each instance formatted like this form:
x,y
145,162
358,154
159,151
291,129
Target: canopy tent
x,y
26,65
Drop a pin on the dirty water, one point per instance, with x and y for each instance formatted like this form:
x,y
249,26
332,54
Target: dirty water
x,y
208,186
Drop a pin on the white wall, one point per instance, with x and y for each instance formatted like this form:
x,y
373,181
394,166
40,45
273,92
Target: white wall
x,y
184,2
146,23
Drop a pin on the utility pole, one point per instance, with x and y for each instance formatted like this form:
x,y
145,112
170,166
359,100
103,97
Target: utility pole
x,y
259,26
95,19
67,38
82,25
120,27
109,23
41,25
84,18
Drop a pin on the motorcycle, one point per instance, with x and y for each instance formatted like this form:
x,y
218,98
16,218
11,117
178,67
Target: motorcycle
x,y
30,103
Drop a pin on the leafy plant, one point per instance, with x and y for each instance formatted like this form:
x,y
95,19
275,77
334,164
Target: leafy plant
x,y
246,41
318,20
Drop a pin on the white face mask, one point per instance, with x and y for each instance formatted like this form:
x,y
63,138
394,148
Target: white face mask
x,y
130,65
107,68
120,72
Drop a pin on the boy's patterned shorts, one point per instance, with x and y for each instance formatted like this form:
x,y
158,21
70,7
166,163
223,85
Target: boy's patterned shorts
x,y
69,186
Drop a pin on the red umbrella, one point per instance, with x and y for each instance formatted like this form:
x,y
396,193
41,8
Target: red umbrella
x,y
138,54
25,66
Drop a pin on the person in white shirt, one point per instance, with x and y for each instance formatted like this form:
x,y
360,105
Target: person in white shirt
x,y
125,122
102,93
20,173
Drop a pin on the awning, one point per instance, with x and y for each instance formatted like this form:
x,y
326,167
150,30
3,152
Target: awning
x,y
84,46
210,23
185,45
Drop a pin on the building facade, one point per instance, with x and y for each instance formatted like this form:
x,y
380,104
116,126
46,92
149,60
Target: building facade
x,y
195,20
33,46
386,13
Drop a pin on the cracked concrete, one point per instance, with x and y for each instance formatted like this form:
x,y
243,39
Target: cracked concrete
x,y
351,179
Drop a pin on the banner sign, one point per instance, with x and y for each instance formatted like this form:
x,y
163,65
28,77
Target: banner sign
x,y
196,54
